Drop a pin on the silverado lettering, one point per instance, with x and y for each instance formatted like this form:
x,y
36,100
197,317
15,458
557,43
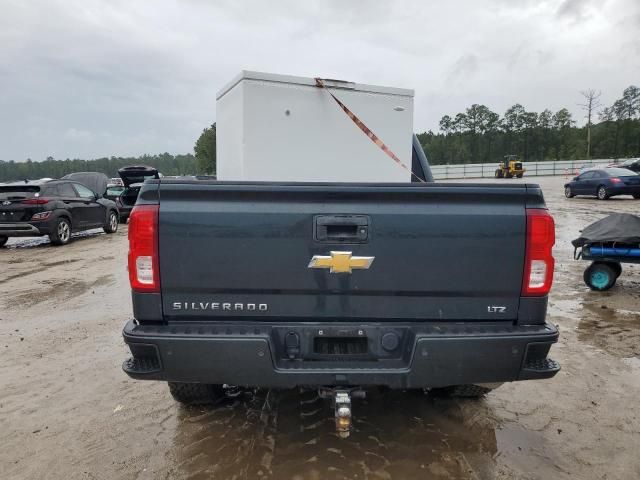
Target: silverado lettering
x,y
225,306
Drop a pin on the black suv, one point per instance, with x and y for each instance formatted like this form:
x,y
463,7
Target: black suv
x,y
55,208
132,178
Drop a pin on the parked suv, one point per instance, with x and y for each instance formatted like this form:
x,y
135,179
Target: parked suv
x,y
55,208
132,178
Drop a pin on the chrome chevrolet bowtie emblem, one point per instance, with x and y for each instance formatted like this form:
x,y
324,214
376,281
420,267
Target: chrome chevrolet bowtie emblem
x,y
340,262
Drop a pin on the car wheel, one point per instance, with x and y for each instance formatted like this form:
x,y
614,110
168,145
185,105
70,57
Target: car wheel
x,y
3,241
636,196
602,192
61,232
600,277
567,192
112,223
196,393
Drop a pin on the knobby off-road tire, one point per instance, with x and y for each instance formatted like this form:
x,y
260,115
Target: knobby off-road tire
x,y
462,391
196,393
61,234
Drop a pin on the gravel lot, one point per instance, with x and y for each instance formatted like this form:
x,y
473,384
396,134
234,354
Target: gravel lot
x,y
67,411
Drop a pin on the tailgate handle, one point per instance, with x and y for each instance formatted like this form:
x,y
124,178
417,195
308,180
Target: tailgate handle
x,y
341,228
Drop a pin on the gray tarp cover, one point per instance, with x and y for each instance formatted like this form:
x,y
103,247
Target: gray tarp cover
x,y
618,227
94,180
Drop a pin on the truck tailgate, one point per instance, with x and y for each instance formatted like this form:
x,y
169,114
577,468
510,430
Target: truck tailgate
x,y
441,252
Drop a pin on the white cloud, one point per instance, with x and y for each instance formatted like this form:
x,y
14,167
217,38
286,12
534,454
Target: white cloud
x,y
88,78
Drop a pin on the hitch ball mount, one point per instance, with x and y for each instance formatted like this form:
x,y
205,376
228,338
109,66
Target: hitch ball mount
x,y
342,407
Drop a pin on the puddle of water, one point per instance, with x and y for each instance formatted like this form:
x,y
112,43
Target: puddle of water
x,y
633,362
291,434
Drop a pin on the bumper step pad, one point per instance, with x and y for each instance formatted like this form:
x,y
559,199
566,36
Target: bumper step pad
x,y
141,365
542,368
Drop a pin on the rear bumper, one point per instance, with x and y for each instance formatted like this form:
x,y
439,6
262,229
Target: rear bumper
x,y
22,230
433,355
626,190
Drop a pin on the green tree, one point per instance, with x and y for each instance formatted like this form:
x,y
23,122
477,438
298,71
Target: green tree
x,y
562,123
545,126
205,150
446,124
529,124
512,125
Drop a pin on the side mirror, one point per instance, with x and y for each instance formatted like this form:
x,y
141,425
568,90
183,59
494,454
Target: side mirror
x,y
575,179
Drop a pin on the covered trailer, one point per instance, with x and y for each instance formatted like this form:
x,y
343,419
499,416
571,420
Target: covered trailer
x,y
608,243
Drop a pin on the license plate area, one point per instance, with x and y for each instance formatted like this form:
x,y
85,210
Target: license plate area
x,y
340,346
340,343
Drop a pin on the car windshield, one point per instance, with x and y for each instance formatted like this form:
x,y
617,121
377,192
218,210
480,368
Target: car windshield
x,y
620,172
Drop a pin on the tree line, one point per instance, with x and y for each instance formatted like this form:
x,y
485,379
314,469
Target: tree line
x,y
480,135
51,168
202,163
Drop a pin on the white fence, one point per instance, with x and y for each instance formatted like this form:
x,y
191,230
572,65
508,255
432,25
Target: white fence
x,y
482,170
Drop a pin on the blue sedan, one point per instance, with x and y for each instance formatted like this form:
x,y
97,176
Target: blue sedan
x,y
604,183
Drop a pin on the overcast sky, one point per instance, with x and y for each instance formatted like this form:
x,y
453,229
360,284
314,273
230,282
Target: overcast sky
x,y
90,78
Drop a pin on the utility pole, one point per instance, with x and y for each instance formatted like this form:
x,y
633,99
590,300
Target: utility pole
x,y
592,102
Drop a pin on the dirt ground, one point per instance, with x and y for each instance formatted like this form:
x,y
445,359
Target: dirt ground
x,y
68,412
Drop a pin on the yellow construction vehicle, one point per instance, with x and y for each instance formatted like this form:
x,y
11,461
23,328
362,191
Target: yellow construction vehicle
x,y
510,167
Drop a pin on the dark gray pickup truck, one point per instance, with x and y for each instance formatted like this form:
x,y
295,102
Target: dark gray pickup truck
x,y
339,286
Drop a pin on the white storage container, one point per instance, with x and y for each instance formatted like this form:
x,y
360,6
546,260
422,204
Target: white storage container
x,y
283,128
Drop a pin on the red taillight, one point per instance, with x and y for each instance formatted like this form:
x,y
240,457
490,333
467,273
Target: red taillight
x,y
35,201
616,180
144,273
539,263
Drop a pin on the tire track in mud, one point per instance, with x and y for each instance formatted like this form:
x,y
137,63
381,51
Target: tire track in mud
x,y
233,439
